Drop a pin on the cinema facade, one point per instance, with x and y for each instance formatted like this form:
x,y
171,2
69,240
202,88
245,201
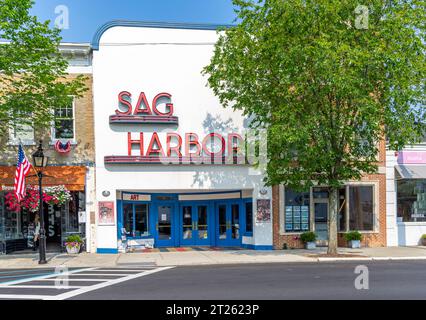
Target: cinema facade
x,y
169,167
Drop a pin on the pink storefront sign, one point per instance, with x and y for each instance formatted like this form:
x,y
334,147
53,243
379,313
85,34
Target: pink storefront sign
x,y
412,157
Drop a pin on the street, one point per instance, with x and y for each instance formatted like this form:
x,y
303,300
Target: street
x,y
386,280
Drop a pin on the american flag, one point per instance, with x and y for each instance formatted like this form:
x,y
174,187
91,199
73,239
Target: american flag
x,y
22,169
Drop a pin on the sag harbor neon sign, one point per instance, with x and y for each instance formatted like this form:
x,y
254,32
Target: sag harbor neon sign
x,y
174,149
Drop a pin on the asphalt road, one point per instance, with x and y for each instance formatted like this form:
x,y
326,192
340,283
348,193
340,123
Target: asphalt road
x,y
387,280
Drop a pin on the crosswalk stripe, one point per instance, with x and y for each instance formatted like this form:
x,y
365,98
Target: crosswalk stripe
x,y
24,296
103,274
124,270
89,280
41,287
45,277
108,283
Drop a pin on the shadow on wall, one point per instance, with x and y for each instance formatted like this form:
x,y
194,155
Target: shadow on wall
x,y
220,176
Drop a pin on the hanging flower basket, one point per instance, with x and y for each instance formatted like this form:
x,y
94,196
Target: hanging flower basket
x,y
58,195
12,203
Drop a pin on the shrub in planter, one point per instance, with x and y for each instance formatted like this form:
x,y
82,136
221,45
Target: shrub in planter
x,y
308,239
354,239
73,244
423,240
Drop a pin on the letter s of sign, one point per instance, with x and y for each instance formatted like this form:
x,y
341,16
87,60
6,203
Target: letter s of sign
x,y
362,281
124,101
169,106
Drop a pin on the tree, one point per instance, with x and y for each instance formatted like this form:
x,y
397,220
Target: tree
x,y
328,80
32,70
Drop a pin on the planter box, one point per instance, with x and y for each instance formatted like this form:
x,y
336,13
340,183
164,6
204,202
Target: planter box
x,y
310,245
423,242
73,250
354,244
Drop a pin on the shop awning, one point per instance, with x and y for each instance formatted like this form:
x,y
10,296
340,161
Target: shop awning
x,y
72,177
410,171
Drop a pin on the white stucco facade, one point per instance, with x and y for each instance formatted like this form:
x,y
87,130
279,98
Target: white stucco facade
x,y
154,60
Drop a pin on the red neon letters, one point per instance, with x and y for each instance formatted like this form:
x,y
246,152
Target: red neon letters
x,y
142,107
192,146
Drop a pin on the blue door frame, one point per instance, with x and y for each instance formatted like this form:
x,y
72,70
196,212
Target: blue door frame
x,y
176,219
232,236
196,237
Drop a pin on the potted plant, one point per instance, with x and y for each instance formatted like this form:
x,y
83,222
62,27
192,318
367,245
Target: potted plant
x,y
354,239
423,240
73,244
308,239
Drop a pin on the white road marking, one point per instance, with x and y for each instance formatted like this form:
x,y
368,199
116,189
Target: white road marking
x,y
105,274
42,287
89,280
108,283
45,277
124,270
26,297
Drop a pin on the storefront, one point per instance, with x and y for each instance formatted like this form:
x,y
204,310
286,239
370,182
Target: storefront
x,y
17,223
408,175
170,167
174,220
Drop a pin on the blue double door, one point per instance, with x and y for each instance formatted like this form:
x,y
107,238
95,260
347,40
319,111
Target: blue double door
x,y
198,223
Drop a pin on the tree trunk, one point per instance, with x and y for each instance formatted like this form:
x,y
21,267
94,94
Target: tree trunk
x,y
332,220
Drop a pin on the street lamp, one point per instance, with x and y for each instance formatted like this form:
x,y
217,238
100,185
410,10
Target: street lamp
x,y
40,162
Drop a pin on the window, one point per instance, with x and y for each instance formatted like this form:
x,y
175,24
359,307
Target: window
x,y
23,133
64,122
135,219
341,219
411,200
296,211
249,217
361,209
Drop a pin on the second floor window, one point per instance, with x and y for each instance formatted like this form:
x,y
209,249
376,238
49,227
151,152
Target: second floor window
x,y
64,123
23,133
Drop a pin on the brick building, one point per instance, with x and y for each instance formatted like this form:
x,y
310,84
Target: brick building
x,y
69,144
362,207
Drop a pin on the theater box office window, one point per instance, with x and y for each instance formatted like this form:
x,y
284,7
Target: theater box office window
x,y
174,167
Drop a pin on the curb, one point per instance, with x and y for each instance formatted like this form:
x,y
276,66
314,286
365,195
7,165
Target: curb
x,y
370,259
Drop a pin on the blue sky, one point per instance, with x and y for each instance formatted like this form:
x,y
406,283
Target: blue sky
x,y
85,16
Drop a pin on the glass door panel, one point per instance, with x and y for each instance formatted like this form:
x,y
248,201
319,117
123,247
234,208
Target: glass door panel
x,y
187,223
203,224
222,222
321,222
235,221
164,223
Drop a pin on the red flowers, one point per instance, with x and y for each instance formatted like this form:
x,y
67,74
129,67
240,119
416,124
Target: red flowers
x,y
11,202
52,196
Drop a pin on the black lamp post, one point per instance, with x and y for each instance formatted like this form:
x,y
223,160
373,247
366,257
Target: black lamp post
x,y
40,162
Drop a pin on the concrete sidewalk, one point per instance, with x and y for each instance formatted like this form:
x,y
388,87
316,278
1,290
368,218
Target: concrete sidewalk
x,y
215,257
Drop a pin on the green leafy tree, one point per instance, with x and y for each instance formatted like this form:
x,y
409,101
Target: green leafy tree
x,y
32,70
329,80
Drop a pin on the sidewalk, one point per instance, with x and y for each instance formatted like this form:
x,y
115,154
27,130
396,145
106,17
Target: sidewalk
x,y
214,257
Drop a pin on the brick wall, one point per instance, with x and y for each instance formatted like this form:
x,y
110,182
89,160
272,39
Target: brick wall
x,y
370,239
81,153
